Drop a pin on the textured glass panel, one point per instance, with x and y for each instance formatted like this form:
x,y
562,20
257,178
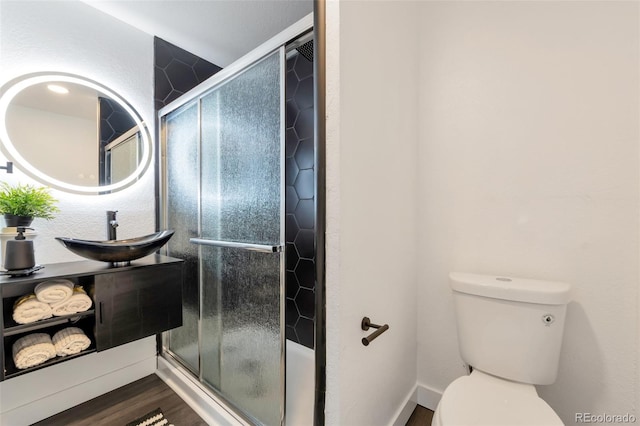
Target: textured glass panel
x,y
239,174
211,315
182,204
241,329
241,152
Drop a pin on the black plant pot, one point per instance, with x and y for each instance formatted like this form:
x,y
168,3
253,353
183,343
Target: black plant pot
x,y
13,220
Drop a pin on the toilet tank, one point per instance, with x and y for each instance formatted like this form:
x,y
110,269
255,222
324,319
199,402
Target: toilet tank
x,y
510,327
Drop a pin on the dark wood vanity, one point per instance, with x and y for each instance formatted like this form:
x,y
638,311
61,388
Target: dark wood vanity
x,y
129,303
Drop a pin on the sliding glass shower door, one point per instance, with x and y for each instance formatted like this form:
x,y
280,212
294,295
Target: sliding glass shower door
x,y
225,199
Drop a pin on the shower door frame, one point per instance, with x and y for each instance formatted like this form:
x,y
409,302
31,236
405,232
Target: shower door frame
x,y
284,41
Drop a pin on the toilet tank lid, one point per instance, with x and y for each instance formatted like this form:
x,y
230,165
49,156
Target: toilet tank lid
x,y
511,288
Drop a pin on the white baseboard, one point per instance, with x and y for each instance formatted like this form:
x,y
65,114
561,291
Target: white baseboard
x,y
428,397
211,411
406,409
420,395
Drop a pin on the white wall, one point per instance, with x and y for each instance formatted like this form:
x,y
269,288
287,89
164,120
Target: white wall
x,y
529,124
371,209
72,37
71,161
528,165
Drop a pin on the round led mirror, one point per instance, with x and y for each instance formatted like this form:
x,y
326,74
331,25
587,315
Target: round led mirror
x,y
72,133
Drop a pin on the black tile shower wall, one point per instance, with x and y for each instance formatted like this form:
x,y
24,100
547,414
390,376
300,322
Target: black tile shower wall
x,y
177,71
299,202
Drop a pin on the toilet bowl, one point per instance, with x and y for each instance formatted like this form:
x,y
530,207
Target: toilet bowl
x,y
510,332
483,399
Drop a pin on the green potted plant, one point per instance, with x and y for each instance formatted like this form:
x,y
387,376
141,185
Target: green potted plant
x,y
20,204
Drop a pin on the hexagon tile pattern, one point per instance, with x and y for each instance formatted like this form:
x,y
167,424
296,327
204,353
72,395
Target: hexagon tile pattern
x,y
177,71
299,202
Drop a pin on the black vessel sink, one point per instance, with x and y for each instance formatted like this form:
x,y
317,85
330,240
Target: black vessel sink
x,y
117,251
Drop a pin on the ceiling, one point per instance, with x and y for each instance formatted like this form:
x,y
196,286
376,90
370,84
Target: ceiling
x,y
219,31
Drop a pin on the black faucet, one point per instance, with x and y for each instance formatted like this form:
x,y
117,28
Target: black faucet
x,y
112,224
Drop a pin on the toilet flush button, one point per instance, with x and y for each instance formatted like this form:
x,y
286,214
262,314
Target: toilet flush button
x,y
548,319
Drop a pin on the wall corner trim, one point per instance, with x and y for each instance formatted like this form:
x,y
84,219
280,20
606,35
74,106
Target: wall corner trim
x,y
427,396
404,412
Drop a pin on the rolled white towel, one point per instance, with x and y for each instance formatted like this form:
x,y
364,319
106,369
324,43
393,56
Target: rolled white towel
x,y
29,309
70,340
33,349
78,302
54,291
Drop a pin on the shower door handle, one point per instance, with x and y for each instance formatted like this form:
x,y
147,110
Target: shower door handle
x,y
230,244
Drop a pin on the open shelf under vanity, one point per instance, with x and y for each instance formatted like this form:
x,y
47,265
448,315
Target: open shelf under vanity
x,y
128,303
86,323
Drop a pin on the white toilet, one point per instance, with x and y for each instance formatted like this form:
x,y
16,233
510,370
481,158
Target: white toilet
x,y
510,333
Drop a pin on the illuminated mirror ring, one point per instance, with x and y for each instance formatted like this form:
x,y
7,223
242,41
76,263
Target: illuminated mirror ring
x,y
12,89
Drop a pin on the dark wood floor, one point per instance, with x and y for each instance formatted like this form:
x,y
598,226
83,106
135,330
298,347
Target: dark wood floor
x,y
421,417
127,404
136,399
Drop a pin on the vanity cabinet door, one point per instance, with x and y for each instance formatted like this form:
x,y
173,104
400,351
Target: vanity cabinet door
x,y
137,303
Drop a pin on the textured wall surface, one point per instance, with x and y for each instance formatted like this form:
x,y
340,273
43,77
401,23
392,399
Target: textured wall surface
x,y
32,41
529,167
372,245
62,36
